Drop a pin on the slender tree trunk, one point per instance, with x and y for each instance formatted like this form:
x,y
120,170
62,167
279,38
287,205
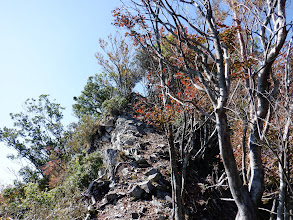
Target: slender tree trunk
x,y
256,184
244,176
282,188
175,178
246,208
272,214
282,212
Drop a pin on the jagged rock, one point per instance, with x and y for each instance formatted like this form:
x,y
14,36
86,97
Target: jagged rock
x,y
97,140
98,189
111,197
131,146
141,163
126,133
153,159
136,192
154,177
111,157
134,215
151,172
147,186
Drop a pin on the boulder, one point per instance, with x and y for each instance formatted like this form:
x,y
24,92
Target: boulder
x,y
151,172
136,192
126,133
141,163
111,197
147,186
111,158
154,177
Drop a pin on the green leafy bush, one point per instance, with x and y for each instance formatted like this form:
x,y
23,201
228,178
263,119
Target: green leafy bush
x,y
83,169
83,134
30,201
11,200
114,106
95,92
36,134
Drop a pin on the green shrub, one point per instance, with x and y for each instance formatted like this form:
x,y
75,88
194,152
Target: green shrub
x,y
11,200
83,134
95,92
29,201
114,106
83,169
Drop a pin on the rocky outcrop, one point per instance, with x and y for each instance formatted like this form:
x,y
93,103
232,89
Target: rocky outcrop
x,y
127,132
133,166
111,159
138,183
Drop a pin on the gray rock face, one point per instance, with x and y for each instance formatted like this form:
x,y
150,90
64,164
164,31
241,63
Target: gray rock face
x,y
111,158
141,163
136,192
126,133
154,177
151,172
111,197
99,189
147,186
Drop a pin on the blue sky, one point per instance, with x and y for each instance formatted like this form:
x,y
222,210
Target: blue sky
x,y
47,47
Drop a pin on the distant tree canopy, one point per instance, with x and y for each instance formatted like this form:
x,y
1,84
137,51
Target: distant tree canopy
x,y
120,74
37,135
119,63
96,91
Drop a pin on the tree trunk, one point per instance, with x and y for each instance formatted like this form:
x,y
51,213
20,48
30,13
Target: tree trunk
x,y
246,208
282,188
256,183
175,178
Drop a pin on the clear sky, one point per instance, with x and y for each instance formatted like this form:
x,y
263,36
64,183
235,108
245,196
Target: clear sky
x,y
47,47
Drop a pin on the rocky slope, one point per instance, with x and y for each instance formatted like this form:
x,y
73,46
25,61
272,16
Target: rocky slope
x,y
136,180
